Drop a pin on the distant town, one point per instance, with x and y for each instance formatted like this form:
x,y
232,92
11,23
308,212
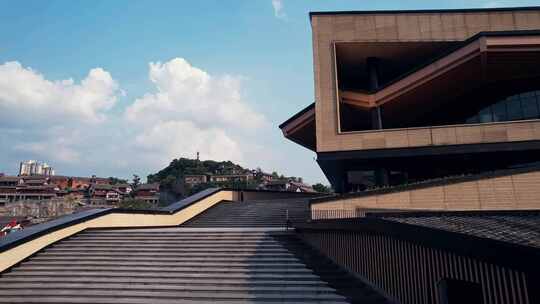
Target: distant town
x,y
37,193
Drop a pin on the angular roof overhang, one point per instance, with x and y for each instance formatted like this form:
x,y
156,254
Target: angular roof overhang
x,y
484,58
300,128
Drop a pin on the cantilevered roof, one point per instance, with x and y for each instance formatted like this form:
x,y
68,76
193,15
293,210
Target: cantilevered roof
x,y
300,128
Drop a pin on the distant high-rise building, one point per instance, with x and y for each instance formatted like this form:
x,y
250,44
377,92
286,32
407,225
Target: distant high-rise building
x,y
33,167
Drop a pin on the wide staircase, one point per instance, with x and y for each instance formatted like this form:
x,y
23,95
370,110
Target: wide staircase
x,y
183,265
261,213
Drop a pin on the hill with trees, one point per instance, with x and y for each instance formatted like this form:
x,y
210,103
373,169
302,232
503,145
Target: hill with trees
x,y
172,177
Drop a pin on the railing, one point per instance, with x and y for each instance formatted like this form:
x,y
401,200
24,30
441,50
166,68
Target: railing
x,y
337,214
351,213
407,263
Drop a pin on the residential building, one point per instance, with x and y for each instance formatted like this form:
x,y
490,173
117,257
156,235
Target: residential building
x,y
104,194
195,179
76,182
123,188
223,178
287,185
33,167
148,193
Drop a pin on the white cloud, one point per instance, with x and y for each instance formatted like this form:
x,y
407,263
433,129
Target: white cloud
x,y
50,150
73,124
172,139
185,92
193,111
27,97
278,8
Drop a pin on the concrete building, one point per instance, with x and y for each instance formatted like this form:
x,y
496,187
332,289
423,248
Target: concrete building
x,y
287,185
195,179
415,123
407,97
33,167
148,193
240,177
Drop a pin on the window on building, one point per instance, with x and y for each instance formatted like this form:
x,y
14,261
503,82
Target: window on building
x,y
485,115
499,111
513,107
529,106
516,107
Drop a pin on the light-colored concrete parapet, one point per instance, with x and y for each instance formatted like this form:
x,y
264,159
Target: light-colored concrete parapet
x,y
509,190
15,248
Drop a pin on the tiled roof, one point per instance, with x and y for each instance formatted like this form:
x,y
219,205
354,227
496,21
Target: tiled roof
x,y
152,186
517,227
9,178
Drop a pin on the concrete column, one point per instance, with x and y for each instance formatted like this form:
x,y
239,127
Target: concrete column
x,y
372,64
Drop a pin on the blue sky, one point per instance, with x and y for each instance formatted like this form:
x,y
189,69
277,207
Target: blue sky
x,y
77,88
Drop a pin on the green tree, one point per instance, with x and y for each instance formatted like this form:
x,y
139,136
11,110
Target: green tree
x,y
321,188
132,203
168,182
114,180
136,181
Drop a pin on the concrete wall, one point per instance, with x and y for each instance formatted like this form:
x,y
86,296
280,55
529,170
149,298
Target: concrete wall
x,y
386,27
40,208
441,135
519,191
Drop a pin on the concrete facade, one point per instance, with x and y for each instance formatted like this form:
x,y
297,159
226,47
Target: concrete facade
x,y
327,29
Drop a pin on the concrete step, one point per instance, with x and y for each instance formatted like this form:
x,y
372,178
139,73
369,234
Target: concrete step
x,y
161,274
61,263
162,246
160,287
163,281
175,234
176,265
141,259
178,245
163,269
238,241
128,250
190,295
178,254
132,300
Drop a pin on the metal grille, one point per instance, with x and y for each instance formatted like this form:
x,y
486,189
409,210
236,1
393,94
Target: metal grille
x,y
409,272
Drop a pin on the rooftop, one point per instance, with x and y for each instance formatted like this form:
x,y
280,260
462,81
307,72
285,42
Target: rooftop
x,y
517,227
427,11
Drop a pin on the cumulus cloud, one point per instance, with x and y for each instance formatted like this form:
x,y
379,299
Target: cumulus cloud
x,y
171,139
73,124
26,96
193,111
278,8
185,92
